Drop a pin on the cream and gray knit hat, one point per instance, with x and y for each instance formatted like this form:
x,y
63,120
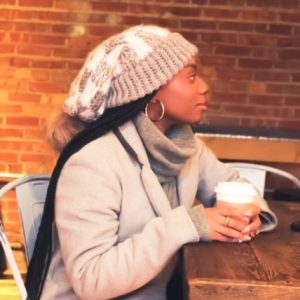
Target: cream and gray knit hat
x,y
126,67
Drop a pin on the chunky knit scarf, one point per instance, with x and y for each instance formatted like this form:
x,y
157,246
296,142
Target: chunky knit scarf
x,y
167,153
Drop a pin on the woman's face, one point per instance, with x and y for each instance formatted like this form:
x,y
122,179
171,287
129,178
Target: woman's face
x,y
184,98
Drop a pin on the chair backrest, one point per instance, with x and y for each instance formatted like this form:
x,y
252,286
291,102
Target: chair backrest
x,y
31,193
256,174
12,263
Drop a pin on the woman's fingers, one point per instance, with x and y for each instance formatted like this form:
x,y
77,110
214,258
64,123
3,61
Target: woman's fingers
x,y
225,228
253,226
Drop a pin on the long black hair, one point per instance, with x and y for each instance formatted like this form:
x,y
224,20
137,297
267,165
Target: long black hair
x,y
41,258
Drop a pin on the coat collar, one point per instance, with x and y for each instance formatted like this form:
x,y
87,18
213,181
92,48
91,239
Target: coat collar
x,y
155,192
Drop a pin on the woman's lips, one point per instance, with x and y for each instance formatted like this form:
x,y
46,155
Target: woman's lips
x,y
203,105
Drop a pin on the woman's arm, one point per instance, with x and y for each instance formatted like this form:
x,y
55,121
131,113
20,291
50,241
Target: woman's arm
x,y
88,205
213,171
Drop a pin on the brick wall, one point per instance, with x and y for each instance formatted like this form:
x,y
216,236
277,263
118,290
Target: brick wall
x,y
250,55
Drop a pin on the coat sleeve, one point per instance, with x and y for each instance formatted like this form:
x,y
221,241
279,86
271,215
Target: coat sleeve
x,y
88,203
213,171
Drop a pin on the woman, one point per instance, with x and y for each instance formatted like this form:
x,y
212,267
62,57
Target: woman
x,y
132,184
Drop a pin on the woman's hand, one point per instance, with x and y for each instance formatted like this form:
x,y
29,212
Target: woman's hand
x,y
230,224
254,221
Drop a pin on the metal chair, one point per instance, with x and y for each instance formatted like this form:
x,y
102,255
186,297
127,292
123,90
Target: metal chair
x,y
257,173
31,193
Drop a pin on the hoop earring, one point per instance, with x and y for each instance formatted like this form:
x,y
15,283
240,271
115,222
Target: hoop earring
x,y
162,110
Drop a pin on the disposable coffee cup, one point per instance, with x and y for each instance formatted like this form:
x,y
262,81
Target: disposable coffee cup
x,y
239,194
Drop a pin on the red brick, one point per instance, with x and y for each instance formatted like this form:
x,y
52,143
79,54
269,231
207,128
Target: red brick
x,y
289,124
4,25
32,27
112,6
33,50
75,65
16,145
10,109
48,64
272,76
6,48
218,37
62,28
297,113
296,77
16,168
19,37
232,50
52,15
224,61
268,53
237,74
21,14
40,75
182,11
205,49
22,121
12,84
189,35
199,24
20,62
236,26
36,3
289,54
290,17
258,122
221,13
287,65
273,3
103,30
39,158
283,89
220,97
266,99
292,101
165,22
257,40
11,133
273,28
5,13
79,52
259,15
255,63
8,2
24,97
227,2
48,39
47,87
9,205
9,157
34,133
229,86
90,17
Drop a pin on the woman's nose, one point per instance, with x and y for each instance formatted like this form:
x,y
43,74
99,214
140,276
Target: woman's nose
x,y
203,87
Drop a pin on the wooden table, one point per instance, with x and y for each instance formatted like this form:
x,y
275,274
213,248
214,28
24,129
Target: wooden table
x,y
266,268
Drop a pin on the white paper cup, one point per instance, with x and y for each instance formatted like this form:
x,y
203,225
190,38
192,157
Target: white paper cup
x,y
241,194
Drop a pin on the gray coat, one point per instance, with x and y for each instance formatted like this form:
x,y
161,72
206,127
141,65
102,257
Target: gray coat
x,y
114,228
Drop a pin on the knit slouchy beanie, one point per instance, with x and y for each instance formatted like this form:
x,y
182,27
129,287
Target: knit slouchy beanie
x,y
126,67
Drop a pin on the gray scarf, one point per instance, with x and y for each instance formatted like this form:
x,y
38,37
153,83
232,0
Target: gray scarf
x,y
167,153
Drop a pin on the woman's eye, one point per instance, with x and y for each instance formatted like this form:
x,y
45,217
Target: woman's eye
x,y
192,77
